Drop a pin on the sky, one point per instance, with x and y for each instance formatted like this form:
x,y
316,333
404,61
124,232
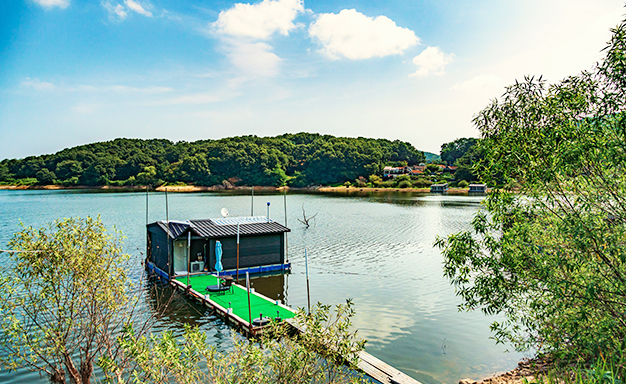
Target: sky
x,y
74,72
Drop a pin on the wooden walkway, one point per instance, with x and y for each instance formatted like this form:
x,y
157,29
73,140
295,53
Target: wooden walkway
x,y
370,365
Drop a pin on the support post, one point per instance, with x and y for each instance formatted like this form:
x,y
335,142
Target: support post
x,y
169,253
252,203
249,308
188,256
286,233
306,266
237,252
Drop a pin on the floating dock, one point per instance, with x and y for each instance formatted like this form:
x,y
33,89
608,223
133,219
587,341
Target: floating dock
x,y
232,305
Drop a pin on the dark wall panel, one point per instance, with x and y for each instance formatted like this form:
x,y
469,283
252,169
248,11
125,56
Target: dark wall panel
x,y
253,251
158,249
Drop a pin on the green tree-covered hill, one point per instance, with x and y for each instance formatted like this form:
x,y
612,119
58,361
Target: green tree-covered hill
x,y
295,159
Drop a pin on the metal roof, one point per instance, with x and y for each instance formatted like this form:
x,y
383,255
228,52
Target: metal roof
x,y
224,228
177,228
240,220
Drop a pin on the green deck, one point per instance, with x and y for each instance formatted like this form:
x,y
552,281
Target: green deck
x,y
236,298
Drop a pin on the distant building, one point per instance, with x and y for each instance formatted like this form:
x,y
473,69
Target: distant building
x,y
477,188
439,188
393,172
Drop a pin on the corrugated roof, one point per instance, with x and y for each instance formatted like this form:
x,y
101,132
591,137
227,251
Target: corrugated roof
x,y
176,227
207,228
240,220
221,228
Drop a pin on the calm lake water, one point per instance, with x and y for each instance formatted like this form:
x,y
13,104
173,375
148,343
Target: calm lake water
x,y
374,248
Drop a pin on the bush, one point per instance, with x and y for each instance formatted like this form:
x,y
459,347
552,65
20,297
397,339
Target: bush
x,y
71,181
319,355
463,184
375,180
360,182
26,181
405,184
422,183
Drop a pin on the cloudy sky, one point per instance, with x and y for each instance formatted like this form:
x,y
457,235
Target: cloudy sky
x,y
74,72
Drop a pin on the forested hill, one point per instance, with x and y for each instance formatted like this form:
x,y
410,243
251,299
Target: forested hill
x,y
295,159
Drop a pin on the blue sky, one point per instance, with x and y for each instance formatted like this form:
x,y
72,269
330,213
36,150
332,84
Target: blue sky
x,y
74,72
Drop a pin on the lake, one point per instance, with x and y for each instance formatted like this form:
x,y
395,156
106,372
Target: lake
x,y
376,248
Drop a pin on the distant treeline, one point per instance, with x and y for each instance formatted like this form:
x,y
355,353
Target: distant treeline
x,y
298,160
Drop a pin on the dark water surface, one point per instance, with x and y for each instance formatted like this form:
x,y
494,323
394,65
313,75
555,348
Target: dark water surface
x,y
374,248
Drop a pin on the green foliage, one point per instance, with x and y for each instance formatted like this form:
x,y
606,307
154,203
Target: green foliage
x,y
315,356
422,183
450,152
360,182
62,294
402,181
552,258
405,184
375,180
26,181
463,184
608,368
302,159
45,176
432,168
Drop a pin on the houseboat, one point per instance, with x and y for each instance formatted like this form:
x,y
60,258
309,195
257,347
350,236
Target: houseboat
x,y
439,188
254,244
477,188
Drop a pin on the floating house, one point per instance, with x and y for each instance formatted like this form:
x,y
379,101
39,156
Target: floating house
x,y
186,247
439,188
477,188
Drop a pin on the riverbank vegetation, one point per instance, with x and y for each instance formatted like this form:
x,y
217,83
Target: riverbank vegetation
x,y
297,160
551,259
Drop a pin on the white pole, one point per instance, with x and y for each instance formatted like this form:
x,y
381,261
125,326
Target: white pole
x,y
237,252
306,266
286,234
188,255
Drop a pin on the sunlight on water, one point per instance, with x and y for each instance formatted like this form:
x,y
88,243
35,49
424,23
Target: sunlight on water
x,y
374,248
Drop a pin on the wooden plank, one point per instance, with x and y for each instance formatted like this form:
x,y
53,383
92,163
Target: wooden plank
x,y
382,371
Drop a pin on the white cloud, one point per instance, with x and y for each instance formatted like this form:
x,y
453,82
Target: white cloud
x,y
353,35
119,10
255,59
260,20
53,3
431,61
480,82
115,11
37,84
137,7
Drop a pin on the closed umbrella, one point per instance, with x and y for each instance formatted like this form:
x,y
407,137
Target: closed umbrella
x,y
218,260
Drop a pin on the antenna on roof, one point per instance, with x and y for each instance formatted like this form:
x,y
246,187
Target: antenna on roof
x,y
224,212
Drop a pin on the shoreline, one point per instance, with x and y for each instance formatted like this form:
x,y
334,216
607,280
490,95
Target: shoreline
x,y
195,188
527,371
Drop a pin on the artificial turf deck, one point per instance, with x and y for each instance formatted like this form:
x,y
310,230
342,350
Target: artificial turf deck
x,y
236,298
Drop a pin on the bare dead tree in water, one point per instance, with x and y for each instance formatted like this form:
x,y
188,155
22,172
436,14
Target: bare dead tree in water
x,y
306,220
